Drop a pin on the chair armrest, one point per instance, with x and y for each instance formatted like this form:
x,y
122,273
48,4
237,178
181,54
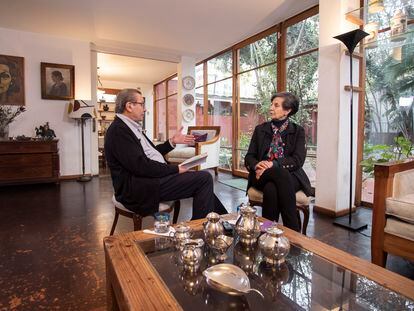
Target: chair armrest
x,y
383,188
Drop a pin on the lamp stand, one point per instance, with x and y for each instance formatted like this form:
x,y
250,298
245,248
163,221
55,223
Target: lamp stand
x,y
351,39
83,178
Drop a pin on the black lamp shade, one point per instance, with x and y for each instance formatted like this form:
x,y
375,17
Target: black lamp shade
x,y
352,38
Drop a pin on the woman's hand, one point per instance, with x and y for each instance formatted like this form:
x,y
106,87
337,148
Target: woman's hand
x,y
264,165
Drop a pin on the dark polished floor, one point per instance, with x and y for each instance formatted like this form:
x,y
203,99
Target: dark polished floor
x,y
51,254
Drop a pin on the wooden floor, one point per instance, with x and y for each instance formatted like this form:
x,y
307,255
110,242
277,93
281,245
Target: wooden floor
x,y
51,254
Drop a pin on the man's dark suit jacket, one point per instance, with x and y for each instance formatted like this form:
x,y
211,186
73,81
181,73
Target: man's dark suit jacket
x,y
135,177
294,153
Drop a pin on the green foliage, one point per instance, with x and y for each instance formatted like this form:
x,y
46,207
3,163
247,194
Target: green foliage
x,y
402,149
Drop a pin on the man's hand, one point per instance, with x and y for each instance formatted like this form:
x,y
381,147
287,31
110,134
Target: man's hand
x,y
182,169
180,138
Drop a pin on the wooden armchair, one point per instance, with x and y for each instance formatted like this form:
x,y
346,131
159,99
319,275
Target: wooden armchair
x,y
211,145
393,212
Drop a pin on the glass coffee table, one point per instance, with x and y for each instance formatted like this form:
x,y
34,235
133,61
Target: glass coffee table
x,y
144,272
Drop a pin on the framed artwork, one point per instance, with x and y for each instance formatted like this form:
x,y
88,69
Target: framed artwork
x,y
12,80
58,81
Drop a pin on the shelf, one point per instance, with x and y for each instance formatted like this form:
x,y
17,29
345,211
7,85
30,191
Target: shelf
x,y
385,41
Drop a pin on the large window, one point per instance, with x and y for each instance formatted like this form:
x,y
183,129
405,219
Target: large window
x,y
301,68
165,99
389,92
233,88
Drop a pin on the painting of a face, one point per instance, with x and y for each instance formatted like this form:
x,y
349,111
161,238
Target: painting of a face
x,y
57,81
5,78
11,80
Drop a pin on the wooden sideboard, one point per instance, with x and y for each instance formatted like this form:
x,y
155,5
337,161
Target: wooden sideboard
x,y
27,162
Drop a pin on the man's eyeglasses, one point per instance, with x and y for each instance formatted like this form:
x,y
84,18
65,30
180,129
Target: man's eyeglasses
x,y
138,103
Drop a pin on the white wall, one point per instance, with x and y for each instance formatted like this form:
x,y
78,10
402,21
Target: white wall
x,y
147,92
37,48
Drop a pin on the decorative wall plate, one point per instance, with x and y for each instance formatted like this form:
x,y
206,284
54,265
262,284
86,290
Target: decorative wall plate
x,y
188,115
188,82
188,99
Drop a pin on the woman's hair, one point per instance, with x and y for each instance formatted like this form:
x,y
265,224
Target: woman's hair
x,y
126,95
57,74
290,101
14,72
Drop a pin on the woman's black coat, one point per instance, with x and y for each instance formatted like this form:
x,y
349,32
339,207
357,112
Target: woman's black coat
x,y
294,153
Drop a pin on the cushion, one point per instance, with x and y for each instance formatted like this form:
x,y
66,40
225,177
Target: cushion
x,y
399,228
403,183
162,207
181,153
256,195
401,207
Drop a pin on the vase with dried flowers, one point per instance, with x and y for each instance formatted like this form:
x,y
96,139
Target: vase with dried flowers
x,y
7,116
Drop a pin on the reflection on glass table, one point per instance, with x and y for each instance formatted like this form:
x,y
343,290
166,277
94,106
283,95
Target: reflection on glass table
x,y
304,282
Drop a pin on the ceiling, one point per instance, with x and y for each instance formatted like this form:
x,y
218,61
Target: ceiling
x,y
132,69
155,29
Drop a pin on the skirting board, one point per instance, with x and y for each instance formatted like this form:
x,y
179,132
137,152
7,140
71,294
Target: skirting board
x,y
331,213
72,177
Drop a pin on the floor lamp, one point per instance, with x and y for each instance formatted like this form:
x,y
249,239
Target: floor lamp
x,y
82,113
351,39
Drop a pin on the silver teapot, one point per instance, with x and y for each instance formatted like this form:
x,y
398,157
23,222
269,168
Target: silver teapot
x,y
274,246
191,255
181,234
212,228
248,226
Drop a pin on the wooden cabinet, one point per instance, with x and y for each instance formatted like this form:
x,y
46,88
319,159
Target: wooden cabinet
x,y
26,162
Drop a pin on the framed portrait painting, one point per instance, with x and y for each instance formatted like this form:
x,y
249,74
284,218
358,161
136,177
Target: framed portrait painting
x,y
12,80
58,81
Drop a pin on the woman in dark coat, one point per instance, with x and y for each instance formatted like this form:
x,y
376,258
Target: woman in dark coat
x,y
275,158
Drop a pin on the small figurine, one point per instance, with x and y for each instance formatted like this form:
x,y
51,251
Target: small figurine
x,y
45,132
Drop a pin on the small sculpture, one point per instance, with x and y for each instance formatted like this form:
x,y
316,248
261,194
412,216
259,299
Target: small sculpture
x,y
45,132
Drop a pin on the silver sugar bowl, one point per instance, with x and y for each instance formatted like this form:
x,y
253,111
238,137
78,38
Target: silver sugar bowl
x,y
181,234
274,246
248,226
212,228
191,255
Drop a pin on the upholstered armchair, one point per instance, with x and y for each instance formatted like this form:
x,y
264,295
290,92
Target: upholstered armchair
x,y
393,211
209,143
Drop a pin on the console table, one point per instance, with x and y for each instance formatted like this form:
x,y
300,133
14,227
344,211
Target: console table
x,y
27,162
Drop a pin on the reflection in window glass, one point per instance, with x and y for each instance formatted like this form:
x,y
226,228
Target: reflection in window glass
x,y
219,67
161,109
220,113
172,115
258,53
255,90
160,91
302,36
199,75
172,86
199,101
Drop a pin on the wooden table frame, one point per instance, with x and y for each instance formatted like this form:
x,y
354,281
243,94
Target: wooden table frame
x,y
133,284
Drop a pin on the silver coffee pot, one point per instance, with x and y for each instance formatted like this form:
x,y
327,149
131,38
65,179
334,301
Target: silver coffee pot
x,y
181,234
212,228
248,226
274,246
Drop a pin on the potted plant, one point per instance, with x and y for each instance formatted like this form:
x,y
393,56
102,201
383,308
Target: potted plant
x,y
7,116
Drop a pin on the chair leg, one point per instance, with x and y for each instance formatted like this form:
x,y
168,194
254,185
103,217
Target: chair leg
x,y
177,205
379,257
216,171
137,219
299,219
115,222
305,211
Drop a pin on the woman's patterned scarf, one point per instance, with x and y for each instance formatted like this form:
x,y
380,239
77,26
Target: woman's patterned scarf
x,y
276,149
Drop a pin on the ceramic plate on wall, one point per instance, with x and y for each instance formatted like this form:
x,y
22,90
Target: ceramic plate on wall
x,y
188,82
188,99
188,115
